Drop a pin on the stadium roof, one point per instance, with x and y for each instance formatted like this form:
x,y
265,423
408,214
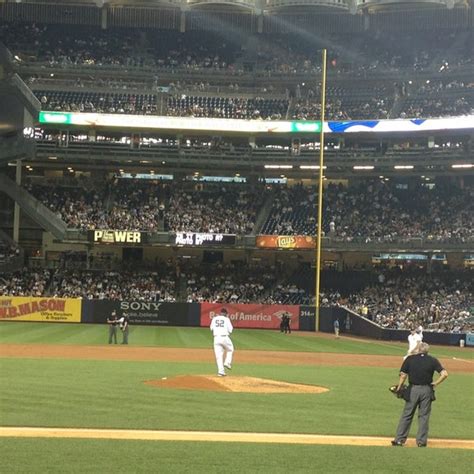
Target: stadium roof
x,y
259,6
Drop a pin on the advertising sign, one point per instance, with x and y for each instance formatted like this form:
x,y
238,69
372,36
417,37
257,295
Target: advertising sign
x,y
116,237
163,314
197,238
26,308
262,316
286,241
156,122
142,312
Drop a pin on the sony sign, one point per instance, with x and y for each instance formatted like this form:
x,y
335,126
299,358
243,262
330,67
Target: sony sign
x,y
139,305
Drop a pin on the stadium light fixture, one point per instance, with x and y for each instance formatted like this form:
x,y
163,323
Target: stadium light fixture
x,y
52,157
311,167
278,167
463,166
403,167
363,167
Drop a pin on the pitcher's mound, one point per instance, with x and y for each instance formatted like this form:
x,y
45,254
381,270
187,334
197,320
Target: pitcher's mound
x,y
214,383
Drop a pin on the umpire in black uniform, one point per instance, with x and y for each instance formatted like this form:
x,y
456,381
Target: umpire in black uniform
x,y
419,369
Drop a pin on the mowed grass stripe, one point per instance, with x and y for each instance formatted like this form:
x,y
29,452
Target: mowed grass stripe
x,y
186,337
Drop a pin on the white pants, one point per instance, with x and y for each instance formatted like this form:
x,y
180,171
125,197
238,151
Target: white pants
x,y
223,344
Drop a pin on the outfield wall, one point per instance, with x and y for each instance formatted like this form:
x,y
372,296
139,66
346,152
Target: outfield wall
x,y
142,312
360,326
257,316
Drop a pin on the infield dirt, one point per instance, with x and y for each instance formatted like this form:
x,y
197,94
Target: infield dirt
x,y
120,352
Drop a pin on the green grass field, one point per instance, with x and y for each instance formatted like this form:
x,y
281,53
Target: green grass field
x,y
244,339
111,394
106,456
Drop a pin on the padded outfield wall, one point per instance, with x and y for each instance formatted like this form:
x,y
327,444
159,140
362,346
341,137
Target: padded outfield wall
x,y
256,316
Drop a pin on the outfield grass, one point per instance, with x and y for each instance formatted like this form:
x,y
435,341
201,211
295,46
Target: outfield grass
x,y
244,339
111,394
70,393
107,456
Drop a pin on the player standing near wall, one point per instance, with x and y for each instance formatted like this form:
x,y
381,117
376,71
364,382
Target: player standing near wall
x,y
414,339
221,328
112,321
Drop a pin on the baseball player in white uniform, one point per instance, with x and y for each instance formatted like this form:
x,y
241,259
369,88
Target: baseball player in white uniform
x,y
221,328
414,339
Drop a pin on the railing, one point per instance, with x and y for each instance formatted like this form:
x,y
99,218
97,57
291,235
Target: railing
x,y
244,155
34,208
231,75
328,243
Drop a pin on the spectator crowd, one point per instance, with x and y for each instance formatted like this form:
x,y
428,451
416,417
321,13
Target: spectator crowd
x,y
154,206
393,298
440,302
196,63
376,211
367,211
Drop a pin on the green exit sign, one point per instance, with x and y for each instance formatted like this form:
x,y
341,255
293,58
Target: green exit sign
x,y
306,127
55,117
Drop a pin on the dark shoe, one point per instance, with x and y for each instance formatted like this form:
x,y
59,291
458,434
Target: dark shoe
x,y
228,367
396,443
422,445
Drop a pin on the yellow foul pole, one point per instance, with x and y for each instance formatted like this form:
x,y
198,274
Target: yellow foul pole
x,y
320,191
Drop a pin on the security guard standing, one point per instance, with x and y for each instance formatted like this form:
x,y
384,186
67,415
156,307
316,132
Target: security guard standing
x,y
419,370
285,323
124,326
112,321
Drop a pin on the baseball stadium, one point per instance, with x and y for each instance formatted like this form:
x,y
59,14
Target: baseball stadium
x,y
236,236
